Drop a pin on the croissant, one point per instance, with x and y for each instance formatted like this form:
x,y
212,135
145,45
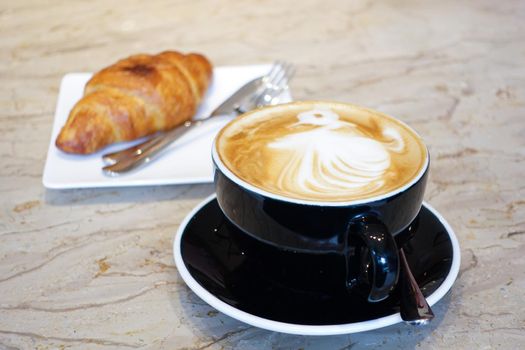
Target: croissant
x,y
135,97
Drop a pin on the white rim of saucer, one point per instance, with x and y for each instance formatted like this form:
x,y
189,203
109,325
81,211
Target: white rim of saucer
x,y
307,329
229,174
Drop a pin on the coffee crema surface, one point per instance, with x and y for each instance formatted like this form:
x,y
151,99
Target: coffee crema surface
x,y
321,151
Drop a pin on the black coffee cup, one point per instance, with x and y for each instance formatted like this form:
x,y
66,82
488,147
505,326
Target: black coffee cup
x,y
362,230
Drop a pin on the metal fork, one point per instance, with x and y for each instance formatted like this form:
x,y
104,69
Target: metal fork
x,y
273,84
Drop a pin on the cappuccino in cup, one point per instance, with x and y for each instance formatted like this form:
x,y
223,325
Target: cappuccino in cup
x,y
322,152
323,177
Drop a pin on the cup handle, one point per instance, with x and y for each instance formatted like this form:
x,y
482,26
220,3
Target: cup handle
x,y
383,255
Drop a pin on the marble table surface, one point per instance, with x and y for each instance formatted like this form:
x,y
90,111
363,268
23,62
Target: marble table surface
x,y
93,268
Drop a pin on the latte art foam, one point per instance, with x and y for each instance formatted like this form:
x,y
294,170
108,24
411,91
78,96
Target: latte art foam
x,y
326,152
335,157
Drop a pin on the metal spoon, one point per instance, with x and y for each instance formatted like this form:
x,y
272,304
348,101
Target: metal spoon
x,y
414,307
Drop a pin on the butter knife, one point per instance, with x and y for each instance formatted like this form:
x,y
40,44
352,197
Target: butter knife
x,y
230,107
130,158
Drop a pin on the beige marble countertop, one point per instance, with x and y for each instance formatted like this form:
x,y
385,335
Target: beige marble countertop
x,y
93,268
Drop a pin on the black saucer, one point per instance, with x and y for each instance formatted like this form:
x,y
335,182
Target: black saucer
x,y
246,279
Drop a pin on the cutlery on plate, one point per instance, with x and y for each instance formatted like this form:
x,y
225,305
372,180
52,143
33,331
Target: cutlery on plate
x,y
226,108
256,93
414,307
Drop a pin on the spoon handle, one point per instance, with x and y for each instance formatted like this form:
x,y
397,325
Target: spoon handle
x,y
156,146
115,157
414,307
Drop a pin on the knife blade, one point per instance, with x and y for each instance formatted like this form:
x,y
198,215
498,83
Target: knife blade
x,y
239,98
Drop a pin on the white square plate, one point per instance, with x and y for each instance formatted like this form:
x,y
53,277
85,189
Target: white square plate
x,y
186,161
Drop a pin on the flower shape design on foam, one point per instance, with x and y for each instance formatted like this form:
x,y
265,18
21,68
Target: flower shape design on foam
x,y
335,156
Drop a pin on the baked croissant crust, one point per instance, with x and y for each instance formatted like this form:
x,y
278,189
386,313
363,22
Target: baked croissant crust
x,y
135,97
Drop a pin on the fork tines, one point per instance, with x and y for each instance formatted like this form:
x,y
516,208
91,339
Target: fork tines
x,y
280,73
274,83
